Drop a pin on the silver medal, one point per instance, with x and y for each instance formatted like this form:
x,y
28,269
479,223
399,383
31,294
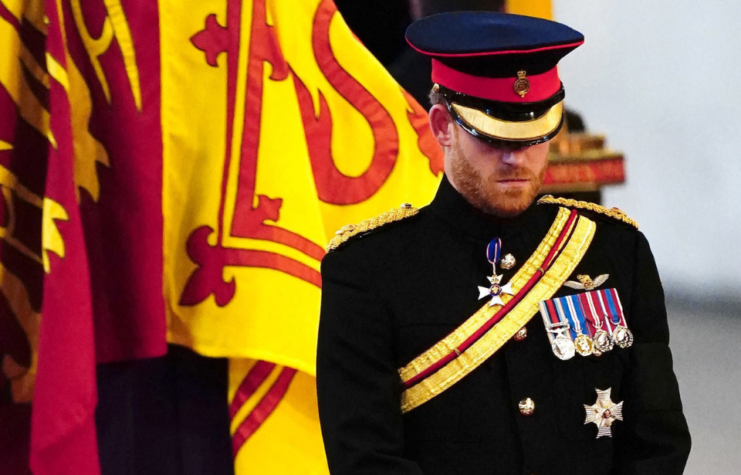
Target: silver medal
x,y
563,347
622,337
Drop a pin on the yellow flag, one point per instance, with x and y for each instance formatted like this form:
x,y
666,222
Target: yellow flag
x,y
279,128
536,8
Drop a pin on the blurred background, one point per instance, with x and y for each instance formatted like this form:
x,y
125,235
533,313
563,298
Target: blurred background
x,y
659,81
660,78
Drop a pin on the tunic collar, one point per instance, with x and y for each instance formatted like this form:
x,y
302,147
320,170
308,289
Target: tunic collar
x,y
452,208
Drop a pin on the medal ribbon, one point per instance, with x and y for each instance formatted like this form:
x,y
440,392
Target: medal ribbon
x,y
615,306
605,312
565,314
551,312
553,323
578,315
494,250
590,313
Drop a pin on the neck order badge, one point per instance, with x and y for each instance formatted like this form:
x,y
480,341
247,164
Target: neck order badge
x,y
496,289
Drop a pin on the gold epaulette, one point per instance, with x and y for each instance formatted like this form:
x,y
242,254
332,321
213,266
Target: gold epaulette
x,y
613,213
351,230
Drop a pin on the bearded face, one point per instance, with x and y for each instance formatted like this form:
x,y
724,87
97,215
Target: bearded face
x,y
498,181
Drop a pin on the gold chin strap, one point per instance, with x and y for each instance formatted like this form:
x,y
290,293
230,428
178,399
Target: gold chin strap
x,y
505,130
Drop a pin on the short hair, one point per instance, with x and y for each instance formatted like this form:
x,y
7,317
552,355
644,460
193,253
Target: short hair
x,y
436,97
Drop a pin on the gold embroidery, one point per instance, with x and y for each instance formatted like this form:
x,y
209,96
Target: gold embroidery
x,y
614,213
451,342
497,128
495,338
351,230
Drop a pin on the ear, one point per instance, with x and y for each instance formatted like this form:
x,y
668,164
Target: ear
x,y
441,125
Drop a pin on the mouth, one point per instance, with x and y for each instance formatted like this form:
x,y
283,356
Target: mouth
x,y
514,181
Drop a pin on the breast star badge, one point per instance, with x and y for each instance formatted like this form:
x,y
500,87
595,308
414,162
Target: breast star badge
x,y
586,282
603,413
496,290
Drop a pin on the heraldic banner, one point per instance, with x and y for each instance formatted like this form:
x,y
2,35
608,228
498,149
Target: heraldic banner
x,y
172,173
300,132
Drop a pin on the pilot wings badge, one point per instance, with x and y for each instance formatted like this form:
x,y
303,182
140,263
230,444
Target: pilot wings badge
x,y
586,282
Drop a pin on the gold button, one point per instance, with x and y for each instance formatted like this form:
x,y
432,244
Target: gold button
x,y
521,334
527,407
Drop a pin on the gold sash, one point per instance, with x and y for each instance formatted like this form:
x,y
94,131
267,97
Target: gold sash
x,y
572,252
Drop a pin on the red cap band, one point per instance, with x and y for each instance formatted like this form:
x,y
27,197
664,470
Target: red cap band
x,y
542,86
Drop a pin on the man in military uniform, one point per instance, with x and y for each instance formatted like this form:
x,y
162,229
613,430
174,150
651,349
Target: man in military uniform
x,y
487,333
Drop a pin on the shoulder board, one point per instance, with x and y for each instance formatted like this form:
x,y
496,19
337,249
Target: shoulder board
x,y
351,230
613,213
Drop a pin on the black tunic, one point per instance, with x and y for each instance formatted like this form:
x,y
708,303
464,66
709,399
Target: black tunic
x,y
391,294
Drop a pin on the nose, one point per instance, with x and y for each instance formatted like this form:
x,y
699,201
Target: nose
x,y
512,157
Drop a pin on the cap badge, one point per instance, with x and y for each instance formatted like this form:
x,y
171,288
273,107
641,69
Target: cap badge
x,y
522,85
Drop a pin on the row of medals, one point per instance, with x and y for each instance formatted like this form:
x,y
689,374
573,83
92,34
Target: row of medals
x,y
602,342
563,347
